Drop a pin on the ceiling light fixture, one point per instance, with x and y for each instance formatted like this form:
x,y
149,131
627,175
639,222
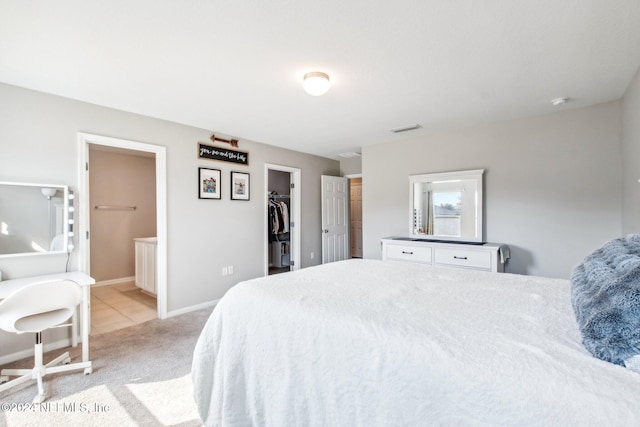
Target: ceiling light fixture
x,y
559,101
316,83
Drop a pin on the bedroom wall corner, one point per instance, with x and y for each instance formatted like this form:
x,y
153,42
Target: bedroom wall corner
x,y
552,184
631,157
350,166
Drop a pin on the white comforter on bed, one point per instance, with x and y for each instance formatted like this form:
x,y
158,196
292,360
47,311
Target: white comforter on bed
x,y
383,343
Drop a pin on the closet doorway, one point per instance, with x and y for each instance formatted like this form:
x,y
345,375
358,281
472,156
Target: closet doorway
x,y
355,215
282,219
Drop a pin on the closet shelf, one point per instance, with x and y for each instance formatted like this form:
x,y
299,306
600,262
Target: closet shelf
x,y
274,195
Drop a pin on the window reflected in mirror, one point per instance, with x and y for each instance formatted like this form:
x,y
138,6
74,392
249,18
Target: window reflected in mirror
x,y
446,213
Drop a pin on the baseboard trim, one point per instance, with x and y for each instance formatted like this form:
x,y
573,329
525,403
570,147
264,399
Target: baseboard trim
x,y
193,308
8,358
115,281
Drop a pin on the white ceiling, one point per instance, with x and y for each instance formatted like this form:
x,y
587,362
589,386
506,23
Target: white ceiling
x,y
236,66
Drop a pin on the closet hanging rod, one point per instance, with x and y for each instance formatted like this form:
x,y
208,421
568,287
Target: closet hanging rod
x,y
115,208
279,196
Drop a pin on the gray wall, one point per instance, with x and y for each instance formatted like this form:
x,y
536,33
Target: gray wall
x,y
38,141
279,182
552,184
351,166
631,157
118,179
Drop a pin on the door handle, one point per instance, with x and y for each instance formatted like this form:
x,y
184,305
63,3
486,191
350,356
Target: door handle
x,y
325,230
459,257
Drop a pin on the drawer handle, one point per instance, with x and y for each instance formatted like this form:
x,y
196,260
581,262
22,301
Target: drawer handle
x,y
407,253
459,257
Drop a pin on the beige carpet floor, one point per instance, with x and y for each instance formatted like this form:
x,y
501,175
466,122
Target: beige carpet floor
x,y
141,377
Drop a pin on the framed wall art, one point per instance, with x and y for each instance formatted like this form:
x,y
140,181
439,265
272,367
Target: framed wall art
x,y
209,184
239,186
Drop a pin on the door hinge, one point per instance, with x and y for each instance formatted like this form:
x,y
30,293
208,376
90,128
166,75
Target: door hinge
x,y
86,166
292,224
293,185
87,235
293,263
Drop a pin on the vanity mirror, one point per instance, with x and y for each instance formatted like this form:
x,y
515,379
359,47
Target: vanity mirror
x,y
447,206
34,219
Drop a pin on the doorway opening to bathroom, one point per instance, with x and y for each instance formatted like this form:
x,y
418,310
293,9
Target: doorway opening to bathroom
x,y
123,230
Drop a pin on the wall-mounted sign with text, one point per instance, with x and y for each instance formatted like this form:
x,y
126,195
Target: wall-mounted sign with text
x,y
222,154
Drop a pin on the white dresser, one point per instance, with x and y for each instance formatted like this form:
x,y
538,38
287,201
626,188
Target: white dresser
x,y
486,257
146,263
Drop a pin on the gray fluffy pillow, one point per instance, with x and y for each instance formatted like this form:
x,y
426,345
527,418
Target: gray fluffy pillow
x,y
605,294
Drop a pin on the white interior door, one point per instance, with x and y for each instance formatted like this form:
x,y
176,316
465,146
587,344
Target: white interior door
x,y
335,218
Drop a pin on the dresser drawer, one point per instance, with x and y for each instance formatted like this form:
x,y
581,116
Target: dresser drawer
x,y
463,258
409,253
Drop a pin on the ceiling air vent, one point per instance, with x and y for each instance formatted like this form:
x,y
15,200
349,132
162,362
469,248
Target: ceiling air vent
x,y
405,128
350,154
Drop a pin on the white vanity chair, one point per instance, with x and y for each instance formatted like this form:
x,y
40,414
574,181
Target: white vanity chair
x,y
34,308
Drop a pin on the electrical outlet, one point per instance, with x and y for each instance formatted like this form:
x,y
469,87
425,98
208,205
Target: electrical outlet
x,y
313,255
230,269
225,271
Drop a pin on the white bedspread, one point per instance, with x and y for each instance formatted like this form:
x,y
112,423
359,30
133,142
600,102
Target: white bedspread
x,y
383,343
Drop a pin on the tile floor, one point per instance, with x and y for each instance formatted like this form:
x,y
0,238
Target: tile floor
x,y
119,306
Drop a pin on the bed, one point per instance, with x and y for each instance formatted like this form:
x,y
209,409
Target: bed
x,y
388,343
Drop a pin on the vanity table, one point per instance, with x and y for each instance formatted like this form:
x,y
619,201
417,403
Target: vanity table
x,y
82,279
480,256
38,221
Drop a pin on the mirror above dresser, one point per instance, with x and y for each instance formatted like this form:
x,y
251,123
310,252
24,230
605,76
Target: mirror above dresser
x,y
446,224
446,206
